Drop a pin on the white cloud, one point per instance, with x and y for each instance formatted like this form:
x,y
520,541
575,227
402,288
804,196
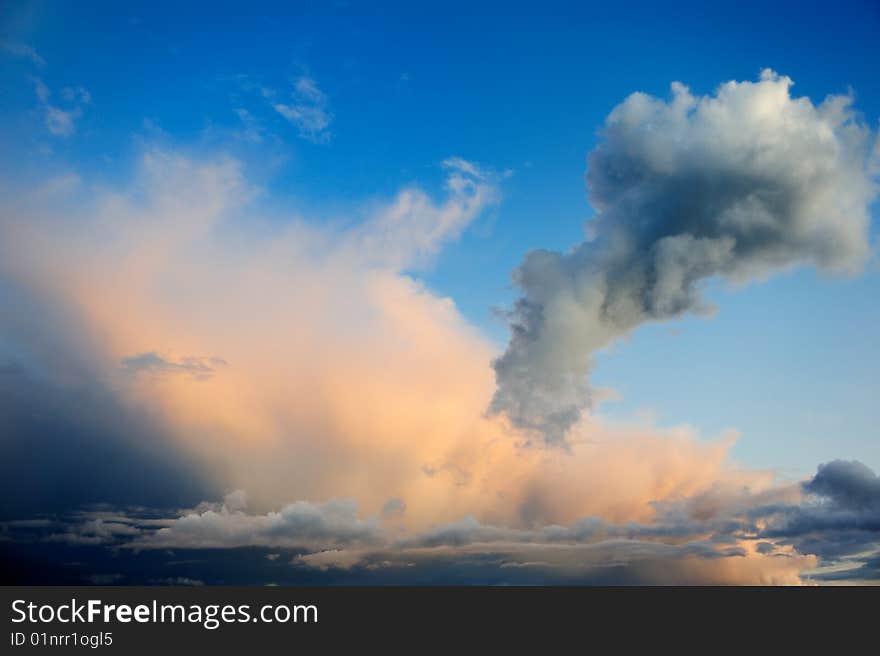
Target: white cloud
x,y
331,558
23,51
308,111
61,122
299,524
76,95
252,129
411,230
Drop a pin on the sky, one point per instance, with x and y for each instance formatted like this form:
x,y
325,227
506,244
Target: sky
x,y
472,292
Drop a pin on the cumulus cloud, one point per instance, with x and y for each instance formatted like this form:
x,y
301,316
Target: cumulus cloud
x,y
739,184
848,484
308,110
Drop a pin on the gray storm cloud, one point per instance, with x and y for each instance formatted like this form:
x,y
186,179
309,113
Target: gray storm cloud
x,y
739,184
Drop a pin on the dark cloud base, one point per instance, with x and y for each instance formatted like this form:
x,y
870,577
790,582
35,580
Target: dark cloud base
x,y
837,522
66,439
63,448
55,564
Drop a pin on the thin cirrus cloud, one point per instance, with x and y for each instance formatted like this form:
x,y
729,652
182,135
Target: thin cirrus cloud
x,y
61,122
59,118
252,129
23,51
308,110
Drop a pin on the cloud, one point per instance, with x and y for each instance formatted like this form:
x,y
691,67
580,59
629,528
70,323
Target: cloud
x,y
409,232
295,525
252,130
332,536
772,536
326,337
66,438
848,484
61,122
199,368
76,95
754,537
347,377
308,110
98,531
24,51
739,184
329,559
349,381
393,508
841,518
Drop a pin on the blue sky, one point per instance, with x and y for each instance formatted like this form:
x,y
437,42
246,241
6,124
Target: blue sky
x,y
791,363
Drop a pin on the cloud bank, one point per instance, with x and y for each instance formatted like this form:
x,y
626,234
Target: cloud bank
x,y
824,528
739,184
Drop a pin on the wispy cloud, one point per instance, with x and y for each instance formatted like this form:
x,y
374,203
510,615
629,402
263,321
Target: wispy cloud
x,y
77,95
308,110
252,129
62,122
23,51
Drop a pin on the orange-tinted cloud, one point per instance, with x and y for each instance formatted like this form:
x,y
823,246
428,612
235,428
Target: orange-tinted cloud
x,y
342,376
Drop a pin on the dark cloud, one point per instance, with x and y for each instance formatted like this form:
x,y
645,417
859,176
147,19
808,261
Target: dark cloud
x,y
848,484
65,438
840,518
64,447
739,185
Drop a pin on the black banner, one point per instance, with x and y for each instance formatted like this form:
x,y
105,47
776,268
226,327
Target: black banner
x,y
287,619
